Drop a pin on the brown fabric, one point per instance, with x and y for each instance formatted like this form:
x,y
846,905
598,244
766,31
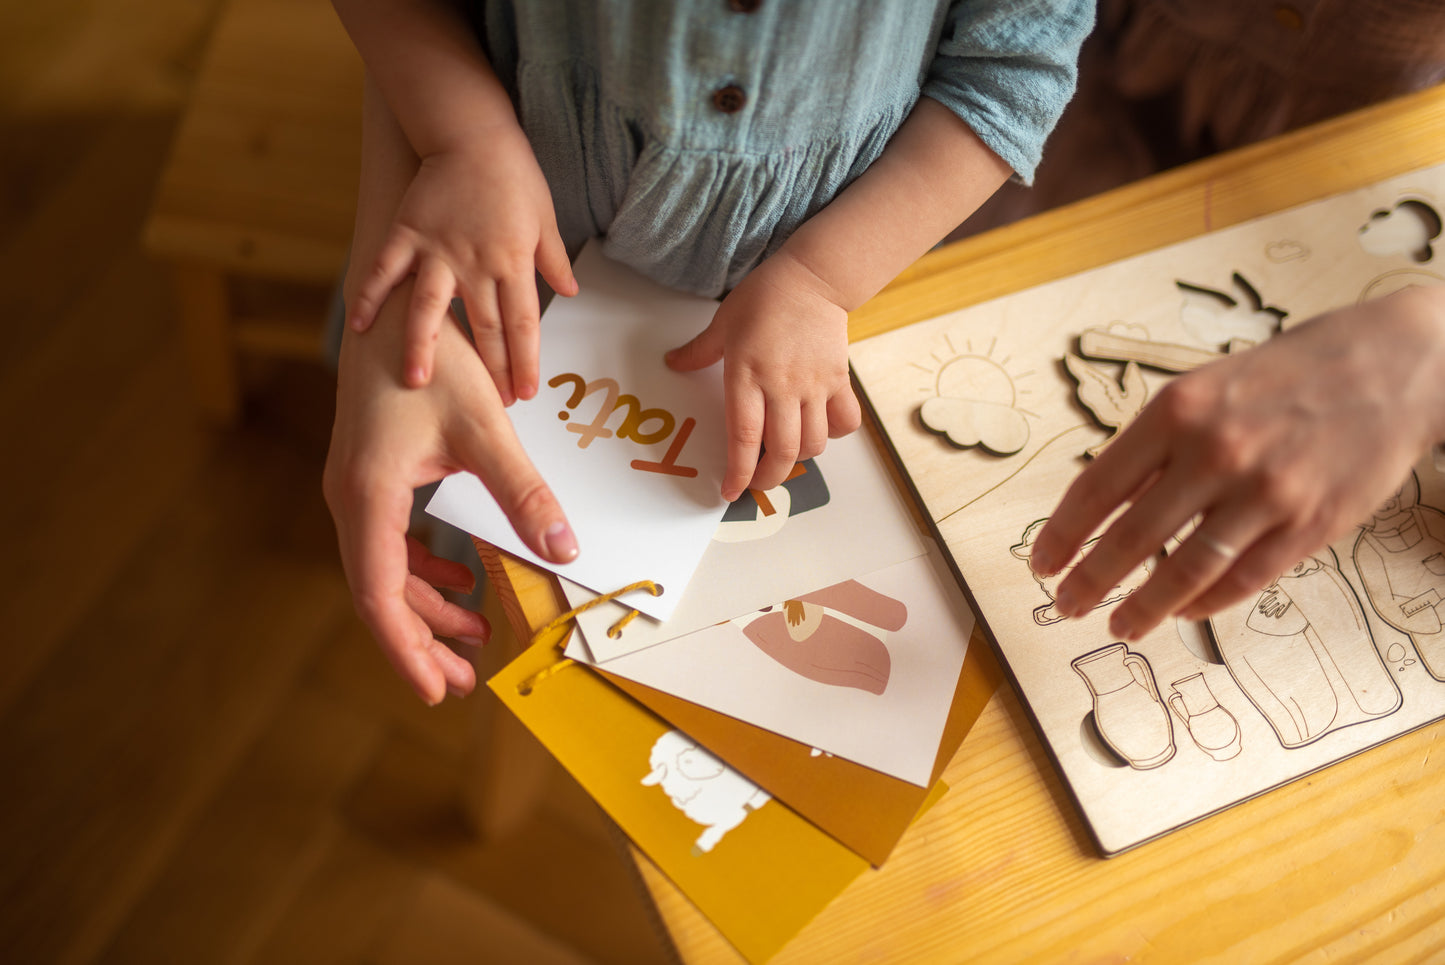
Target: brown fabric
x,y
1244,70
1166,81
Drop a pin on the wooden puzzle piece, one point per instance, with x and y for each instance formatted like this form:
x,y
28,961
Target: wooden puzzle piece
x,y
1046,614
1127,711
1400,554
975,403
1303,653
1212,728
1113,404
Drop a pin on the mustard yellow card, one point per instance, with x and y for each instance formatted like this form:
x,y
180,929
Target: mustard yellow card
x,y
753,866
864,809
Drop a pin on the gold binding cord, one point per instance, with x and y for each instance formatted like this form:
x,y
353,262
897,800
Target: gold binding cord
x,y
562,620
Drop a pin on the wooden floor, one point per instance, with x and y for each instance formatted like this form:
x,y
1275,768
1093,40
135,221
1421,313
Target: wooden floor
x,y
203,756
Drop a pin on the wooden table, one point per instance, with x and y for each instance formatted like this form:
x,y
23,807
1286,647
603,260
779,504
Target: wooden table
x,y
258,193
1345,865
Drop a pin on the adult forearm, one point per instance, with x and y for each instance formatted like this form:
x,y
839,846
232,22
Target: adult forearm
x,y
388,164
427,64
933,174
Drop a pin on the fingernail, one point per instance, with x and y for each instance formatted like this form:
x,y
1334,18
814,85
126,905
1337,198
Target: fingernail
x,y
526,391
1043,563
416,375
1065,602
471,641
355,323
1121,626
560,542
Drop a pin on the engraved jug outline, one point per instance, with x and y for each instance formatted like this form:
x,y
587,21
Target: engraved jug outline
x,y
1213,728
1137,729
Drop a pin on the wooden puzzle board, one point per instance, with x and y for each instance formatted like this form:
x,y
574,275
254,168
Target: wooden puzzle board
x,y
992,409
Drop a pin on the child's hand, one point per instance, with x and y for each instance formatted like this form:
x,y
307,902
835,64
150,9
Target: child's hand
x,y
784,340
475,223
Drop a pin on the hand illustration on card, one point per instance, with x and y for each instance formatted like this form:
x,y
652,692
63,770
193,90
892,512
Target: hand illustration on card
x,y
757,514
834,636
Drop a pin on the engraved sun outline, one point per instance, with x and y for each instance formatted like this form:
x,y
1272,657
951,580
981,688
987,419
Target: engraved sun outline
x,y
975,399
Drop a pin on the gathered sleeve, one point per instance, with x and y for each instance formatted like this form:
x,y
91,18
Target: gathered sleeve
x,y
1008,68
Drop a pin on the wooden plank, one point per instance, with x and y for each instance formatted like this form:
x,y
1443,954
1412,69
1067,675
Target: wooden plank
x,y
208,640
243,861
448,925
209,340
357,895
568,880
102,465
262,179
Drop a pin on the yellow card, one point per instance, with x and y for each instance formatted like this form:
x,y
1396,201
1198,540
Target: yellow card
x,y
753,866
864,809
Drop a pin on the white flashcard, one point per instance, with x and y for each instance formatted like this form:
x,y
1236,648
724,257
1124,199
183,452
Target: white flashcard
x,y
634,451
864,669
836,516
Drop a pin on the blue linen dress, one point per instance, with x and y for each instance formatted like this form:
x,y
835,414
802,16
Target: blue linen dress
x,y
696,136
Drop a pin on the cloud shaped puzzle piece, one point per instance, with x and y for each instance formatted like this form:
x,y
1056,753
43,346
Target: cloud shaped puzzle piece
x,y
966,423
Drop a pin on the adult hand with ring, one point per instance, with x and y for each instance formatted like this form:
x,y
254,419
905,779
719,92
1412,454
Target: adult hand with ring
x,y
1272,453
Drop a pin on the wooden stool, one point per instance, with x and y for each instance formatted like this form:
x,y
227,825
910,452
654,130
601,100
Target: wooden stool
x,y
257,197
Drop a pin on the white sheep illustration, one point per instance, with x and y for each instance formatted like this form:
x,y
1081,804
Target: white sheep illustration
x,y
702,787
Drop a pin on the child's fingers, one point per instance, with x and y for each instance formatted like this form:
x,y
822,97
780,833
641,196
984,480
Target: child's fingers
x,y
430,298
814,437
485,317
745,414
844,414
517,298
781,445
392,264
704,350
553,264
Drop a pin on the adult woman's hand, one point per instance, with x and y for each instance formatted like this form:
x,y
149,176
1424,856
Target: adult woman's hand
x,y
1273,453
389,439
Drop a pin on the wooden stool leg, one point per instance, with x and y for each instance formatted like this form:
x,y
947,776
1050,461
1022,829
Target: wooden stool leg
x,y
205,317
509,773
509,768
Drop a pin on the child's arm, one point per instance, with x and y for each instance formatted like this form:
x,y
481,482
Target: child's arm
x,y
477,220
784,330
389,439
